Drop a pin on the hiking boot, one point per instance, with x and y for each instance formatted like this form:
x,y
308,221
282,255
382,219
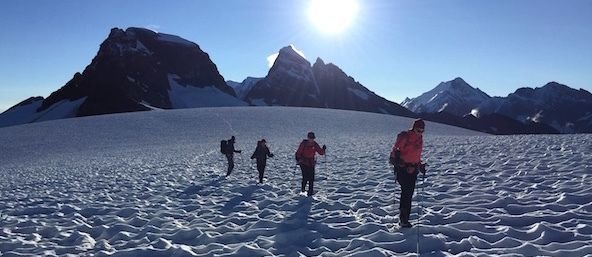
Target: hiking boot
x,y
405,224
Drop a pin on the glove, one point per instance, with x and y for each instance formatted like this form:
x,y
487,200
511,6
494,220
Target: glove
x,y
391,160
271,155
324,147
422,168
239,151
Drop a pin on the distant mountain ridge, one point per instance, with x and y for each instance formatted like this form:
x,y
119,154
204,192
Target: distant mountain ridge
x,y
140,70
553,108
566,109
456,97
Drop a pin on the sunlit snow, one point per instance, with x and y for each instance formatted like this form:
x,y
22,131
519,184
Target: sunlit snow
x,y
190,97
152,184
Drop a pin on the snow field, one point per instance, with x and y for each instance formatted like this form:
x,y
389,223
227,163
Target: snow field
x,y
152,184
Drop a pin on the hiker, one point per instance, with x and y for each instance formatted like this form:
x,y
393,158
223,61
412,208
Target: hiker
x,y
229,152
406,160
261,153
305,157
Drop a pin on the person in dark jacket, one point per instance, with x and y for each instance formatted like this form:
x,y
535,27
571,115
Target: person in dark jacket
x,y
406,159
305,157
261,153
230,154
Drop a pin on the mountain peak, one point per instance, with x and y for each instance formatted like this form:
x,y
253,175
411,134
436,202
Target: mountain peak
x,y
319,61
459,80
144,34
455,96
291,51
555,86
137,69
291,60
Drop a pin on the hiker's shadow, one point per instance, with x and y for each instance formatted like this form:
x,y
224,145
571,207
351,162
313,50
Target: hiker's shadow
x,y
295,234
245,194
202,189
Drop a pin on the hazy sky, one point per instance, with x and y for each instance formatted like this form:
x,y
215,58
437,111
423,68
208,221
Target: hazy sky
x,y
396,48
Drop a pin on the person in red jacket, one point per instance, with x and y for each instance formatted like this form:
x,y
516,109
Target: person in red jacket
x,y
305,157
406,158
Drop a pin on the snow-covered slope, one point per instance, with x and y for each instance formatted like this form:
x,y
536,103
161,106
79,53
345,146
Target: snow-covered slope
x,y
152,184
455,97
28,111
242,88
183,96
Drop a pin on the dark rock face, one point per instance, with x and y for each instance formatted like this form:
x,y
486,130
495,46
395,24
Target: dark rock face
x,y
292,81
132,70
289,82
565,109
340,91
496,124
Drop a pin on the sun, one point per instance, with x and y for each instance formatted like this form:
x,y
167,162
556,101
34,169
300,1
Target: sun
x,y
332,16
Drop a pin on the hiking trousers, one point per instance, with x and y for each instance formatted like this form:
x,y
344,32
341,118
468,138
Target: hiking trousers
x,y
308,174
261,169
230,159
407,182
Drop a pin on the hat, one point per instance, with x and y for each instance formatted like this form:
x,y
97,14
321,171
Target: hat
x,y
418,124
232,138
311,135
263,140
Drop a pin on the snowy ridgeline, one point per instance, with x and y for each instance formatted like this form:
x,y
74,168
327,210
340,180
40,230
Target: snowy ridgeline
x,y
151,184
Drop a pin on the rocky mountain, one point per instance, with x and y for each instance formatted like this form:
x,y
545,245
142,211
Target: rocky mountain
x,y
554,108
134,70
138,70
566,109
455,97
293,81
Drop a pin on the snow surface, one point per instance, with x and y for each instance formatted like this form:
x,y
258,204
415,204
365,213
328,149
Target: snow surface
x,y
28,113
258,102
20,114
152,184
359,93
191,97
243,88
175,39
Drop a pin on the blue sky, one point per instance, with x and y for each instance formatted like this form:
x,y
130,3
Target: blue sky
x,y
396,48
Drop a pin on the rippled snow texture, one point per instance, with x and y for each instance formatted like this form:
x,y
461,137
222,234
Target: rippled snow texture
x,y
152,184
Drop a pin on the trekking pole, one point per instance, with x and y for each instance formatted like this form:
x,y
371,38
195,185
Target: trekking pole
x,y
241,157
325,161
420,211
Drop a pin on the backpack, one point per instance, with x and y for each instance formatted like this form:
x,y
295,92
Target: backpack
x,y
224,147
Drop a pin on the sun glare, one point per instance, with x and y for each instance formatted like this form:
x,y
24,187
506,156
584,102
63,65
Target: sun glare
x,y
332,16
